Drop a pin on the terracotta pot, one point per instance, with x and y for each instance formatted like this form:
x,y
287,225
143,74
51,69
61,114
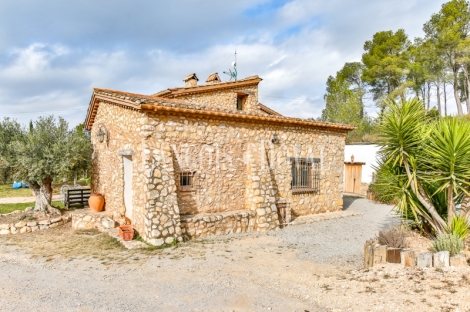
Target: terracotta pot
x,y
126,232
96,202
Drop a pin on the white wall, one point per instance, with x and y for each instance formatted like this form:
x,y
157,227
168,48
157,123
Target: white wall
x,y
363,153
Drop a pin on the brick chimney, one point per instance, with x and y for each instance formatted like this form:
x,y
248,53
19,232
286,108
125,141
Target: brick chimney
x,y
214,78
191,80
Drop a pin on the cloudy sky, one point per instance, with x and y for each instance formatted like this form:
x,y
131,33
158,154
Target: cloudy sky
x,y
53,52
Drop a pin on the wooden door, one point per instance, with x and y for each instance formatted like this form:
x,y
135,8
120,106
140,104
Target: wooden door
x,y
127,160
353,176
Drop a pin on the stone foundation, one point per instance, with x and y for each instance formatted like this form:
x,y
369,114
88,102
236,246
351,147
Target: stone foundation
x,y
218,224
87,219
32,226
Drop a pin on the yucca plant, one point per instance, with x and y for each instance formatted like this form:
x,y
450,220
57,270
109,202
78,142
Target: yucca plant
x,y
459,227
427,162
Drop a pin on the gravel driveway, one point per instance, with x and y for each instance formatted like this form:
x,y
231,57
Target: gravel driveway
x,y
278,271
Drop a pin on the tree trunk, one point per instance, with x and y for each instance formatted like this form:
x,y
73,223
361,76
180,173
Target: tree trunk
x,y
438,91
450,205
467,89
445,100
456,92
428,95
43,195
434,219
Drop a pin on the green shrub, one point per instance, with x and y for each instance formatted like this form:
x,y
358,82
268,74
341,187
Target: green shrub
x,y
394,237
450,242
459,227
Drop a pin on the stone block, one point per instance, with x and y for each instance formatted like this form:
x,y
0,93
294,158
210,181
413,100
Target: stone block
x,y
441,259
261,211
31,224
23,230
55,220
458,260
369,254
156,241
380,254
44,222
169,240
108,223
393,255
34,228
20,224
4,232
424,260
408,258
87,218
4,226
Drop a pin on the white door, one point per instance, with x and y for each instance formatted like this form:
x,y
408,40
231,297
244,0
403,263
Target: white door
x,y
128,185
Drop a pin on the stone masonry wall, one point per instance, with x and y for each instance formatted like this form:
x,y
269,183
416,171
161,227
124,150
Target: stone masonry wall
x,y
226,99
242,157
237,168
127,131
218,224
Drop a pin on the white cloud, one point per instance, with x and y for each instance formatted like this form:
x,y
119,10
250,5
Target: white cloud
x,y
294,52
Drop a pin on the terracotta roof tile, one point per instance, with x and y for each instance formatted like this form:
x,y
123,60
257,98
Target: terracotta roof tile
x,y
146,102
171,92
190,76
214,78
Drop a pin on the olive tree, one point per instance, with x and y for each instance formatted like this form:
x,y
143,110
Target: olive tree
x,y
48,150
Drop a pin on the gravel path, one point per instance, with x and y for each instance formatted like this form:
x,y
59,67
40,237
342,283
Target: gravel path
x,y
340,241
21,200
278,271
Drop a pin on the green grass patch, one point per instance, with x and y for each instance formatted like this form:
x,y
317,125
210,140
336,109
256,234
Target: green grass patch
x,y
7,191
7,208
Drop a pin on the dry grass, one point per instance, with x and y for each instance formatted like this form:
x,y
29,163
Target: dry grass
x,y
394,237
65,243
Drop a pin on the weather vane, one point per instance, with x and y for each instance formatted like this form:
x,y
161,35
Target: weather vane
x,y
233,74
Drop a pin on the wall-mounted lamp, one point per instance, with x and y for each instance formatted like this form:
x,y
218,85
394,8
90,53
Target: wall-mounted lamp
x,y
102,132
275,139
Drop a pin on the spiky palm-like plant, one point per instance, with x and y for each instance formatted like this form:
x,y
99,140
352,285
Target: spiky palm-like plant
x,y
429,159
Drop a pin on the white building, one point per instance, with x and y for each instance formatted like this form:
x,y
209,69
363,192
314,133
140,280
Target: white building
x,y
365,153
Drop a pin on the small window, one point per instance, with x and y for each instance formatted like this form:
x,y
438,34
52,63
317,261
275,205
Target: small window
x,y
241,98
186,181
305,174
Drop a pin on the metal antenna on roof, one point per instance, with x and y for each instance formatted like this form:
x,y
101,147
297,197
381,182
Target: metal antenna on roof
x,y
233,74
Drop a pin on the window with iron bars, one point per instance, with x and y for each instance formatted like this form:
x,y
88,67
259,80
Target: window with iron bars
x,y
305,174
186,182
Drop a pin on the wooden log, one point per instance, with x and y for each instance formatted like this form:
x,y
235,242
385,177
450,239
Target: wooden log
x,y
408,258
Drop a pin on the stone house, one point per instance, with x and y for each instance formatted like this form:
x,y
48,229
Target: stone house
x,y
210,159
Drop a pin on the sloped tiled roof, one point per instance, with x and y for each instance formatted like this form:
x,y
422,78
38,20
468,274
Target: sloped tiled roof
x,y
151,103
214,78
175,92
191,76
266,109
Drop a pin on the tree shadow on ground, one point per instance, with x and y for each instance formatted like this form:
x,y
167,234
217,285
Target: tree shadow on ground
x,y
348,200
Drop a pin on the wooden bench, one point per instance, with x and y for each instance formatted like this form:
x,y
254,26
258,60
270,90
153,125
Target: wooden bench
x,y
77,196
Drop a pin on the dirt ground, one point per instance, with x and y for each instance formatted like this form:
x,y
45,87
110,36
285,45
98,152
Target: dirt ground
x,y
286,270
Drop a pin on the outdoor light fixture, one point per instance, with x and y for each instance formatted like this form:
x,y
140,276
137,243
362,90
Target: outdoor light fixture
x,y
275,139
102,133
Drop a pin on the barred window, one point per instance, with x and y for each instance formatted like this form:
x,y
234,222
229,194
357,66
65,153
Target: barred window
x,y
186,181
305,174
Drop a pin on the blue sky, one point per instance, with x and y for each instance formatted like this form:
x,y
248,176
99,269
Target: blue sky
x,y
53,52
